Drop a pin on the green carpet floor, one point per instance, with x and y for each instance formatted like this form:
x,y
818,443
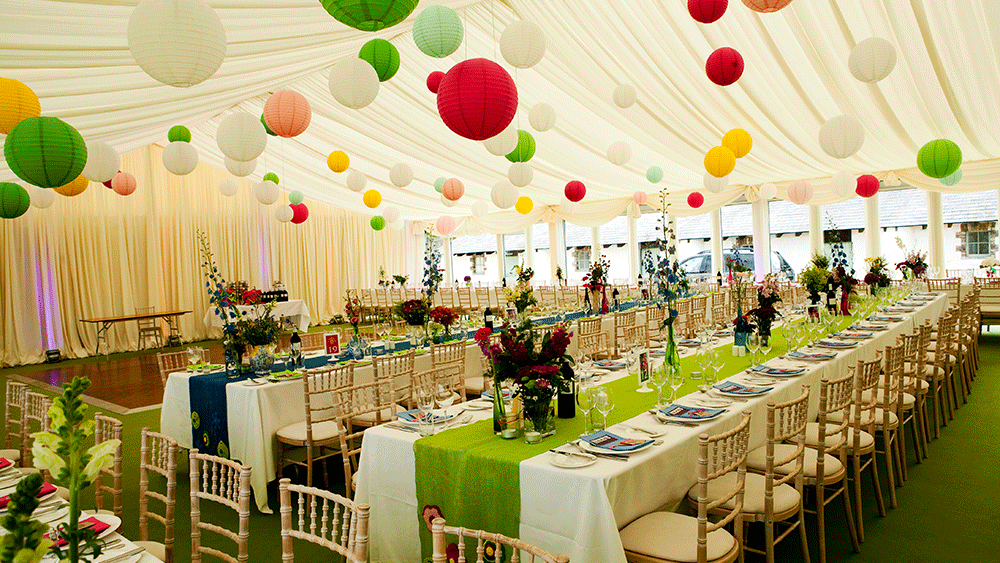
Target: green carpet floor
x,y
947,510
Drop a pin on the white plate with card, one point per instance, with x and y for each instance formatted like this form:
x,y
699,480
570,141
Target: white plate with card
x,y
572,461
713,403
479,405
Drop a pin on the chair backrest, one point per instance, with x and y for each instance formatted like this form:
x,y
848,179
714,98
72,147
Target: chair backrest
x,y
866,378
439,533
318,386
623,320
695,320
381,297
107,428
34,418
699,303
228,483
324,518
14,404
892,381
449,353
634,336
146,323
313,341
718,298
585,327
546,296
442,381
500,297
464,298
946,331
396,295
158,454
170,362
951,286
683,306
834,395
569,297
483,297
909,342
785,422
717,456
447,297
654,317
366,298
397,369
353,402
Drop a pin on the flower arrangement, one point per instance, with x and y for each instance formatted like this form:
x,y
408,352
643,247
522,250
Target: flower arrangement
x,y
352,308
914,265
413,311
839,277
989,265
878,275
735,264
400,279
767,295
432,267
815,277
25,541
559,275
521,296
445,316
383,281
467,280
252,296
738,288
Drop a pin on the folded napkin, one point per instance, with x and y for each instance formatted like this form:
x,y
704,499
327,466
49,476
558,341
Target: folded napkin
x,y
722,333
674,410
835,344
896,309
796,355
733,388
885,318
610,363
488,394
413,416
5,463
856,335
869,327
689,342
46,489
777,371
93,523
612,442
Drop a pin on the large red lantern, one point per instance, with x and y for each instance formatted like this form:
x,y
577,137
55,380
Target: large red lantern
x,y
575,190
695,199
477,99
707,11
724,66
299,212
867,185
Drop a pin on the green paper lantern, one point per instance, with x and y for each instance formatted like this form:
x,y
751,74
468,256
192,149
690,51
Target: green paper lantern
x,y
271,176
525,148
939,158
953,178
383,56
378,222
439,184
45,151
14,200
438,31
179,133
295,197
654,174
369,15
266,128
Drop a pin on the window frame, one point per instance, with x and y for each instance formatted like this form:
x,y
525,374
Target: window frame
x,y
978,244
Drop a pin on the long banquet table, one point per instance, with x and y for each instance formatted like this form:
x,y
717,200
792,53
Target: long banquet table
x,y
577,512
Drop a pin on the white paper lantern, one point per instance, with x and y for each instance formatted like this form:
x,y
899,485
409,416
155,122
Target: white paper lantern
x,y
624,96
41,197
241,136
872,59
619,152
480,209
447,202
102,162
570,207
504,142
522,44
356,181
541,117
180,158
843,184
400,175
445,225
178,42
266,192
715,185
284,213
228,187
504,194
391,214
241,169
520,174
841,136
800,192
354,82
768,191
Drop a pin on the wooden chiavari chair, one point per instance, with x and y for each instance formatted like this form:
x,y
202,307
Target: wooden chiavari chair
x,y
454,353
989,301
569,297
107,428
886,417
951,286
34,418
592,341
695,320
322,517
916,381
683,311
447,295
149,329
909,410
359,403
500,296
546,296
228,483
396,296
654,324
941,362
412,293
623,320
157,454
441,381
169,362
465,300
313,341
439,538
398,371
483,298
14,404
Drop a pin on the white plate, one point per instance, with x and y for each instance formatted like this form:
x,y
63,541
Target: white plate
x,y
591,448
111,520
572,461
712,403
653,432
479,405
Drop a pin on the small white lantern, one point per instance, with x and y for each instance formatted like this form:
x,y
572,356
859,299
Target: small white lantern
x,y
541,117
715,185
843,184
503,142
284,213
520,174
768,191
447,202
504,194
391,214
619,152
102,162
522,44
178,42
624,96
872,60
241,136
841,136
241,169
354,82
400,175
266,192
228,187
180,158
356,181
41,197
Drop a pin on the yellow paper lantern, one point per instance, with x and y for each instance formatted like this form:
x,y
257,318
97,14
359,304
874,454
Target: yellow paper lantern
x,y
373,199
73,188
738,141
338,161
17,103
719,161
524,205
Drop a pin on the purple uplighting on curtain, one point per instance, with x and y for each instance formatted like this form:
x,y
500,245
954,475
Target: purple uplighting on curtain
x,y
48,303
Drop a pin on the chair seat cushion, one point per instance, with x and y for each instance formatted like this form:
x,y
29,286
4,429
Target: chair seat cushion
x,y
368,418
757,460
867,417
475,385
866,396
156,549
812,436
910,383
674,537
296,433
951,357
12,455
785,496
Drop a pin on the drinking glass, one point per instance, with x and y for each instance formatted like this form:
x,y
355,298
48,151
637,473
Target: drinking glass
x,y
676,381
604,401
659,378
444,398
425,406
765,348
585,392
718,362
193,357
754,348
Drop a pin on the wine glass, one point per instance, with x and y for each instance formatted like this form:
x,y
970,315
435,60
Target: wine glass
x,y
765,348
193,357
585,400
676,381
659,378
604,401
718,362
425,406
753,344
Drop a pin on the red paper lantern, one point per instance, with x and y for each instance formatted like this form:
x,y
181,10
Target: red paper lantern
x,y
287,113
724,66
707,11
765,6
867,185
434,80
575,190
299,213
695,199
477,99
123,183
108,183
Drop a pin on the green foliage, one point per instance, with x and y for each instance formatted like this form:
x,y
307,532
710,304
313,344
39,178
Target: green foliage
x,y
814,279
821,261
25,541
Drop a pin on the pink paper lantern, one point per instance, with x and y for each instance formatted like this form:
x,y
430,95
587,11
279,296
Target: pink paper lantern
x,y
800,192
108,183
287,113
445,225
766,6
299,213
724,66
695,199
477,99
123,183
575,190
640,197
453,190
867,185
434,80
707,11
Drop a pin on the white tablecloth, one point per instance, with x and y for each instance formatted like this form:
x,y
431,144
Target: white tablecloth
x,y
295,309
579,512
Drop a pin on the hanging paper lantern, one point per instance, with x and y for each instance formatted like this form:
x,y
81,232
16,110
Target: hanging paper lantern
x,y
266,128
524,205
953,178
108,183
619,152
937,159
241,169
520,174
284,213
504,194
401,175
445,225
377,223
123,184
841,136
356,181
369,15
41,197
437,31
719,161
738,141
447,202
391,214
228,187
640,197
867,185
480,209
17,103
575,190
695,200
525,148
872,60
724,66
266,192
477,99
654,174
179,133
453,189
45,151
439,184
503,142
800,192
707,11
287,113
570,207
522,44
295,197
14,200
180,158
765,6
371,198
177,42
299,213
842,183
102,162
353,82
383,56
768,191
715,185
272,177
79,185
624,96
542,117
338,161
241,137
434,80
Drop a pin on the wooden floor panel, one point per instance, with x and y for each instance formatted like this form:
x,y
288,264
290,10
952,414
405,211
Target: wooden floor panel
x,y
129,383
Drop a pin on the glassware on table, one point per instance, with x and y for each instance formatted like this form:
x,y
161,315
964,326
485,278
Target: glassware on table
x,y
604,402
753,346
718,362
660,377
765,349
585,392
193,357
425,408
676,375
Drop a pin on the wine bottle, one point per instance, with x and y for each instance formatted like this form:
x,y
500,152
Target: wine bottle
x,y
488,318
295,344
587,308
614,297
718,278
566,402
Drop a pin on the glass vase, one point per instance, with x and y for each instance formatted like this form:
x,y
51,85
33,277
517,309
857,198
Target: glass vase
x,y
538,418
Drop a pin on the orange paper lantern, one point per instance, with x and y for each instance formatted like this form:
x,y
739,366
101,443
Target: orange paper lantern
x,y
287,113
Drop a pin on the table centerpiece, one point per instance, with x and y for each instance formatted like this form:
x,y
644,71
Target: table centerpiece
x,y
445,317
814,278
846,282
878,275
738,286
914,265
765,312
414,313
352,308
596,282
521,296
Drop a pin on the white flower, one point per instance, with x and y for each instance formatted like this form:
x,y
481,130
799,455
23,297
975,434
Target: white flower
x,y
43,452
102,457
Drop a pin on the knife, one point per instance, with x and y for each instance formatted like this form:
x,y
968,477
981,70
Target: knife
x,y
616,457
121,556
